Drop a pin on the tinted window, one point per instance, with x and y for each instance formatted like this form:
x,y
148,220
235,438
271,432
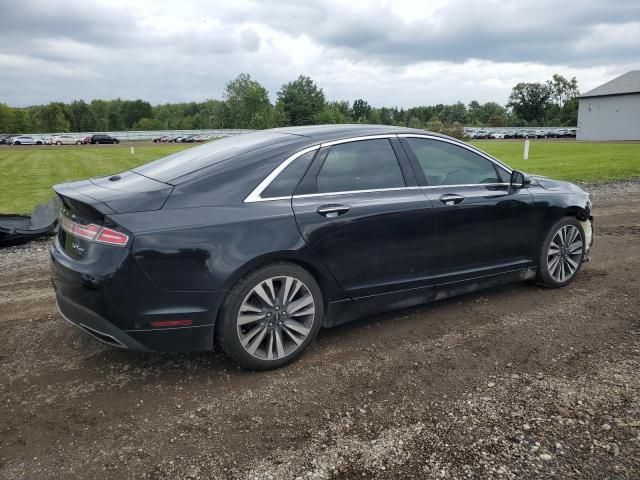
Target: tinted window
x,y
448,164
192,159
363,165
285,183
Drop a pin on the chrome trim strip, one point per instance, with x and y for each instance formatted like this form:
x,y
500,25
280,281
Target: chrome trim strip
x,y
357,139
459,144
500,184
375,190
254,196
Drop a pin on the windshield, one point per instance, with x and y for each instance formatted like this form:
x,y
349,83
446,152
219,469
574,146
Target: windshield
x,y
192,159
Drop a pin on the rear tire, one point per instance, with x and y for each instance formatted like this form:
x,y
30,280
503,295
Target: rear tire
x,y
270,317
562,253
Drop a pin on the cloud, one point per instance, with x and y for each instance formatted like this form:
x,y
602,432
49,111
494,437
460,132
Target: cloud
x,y
398,52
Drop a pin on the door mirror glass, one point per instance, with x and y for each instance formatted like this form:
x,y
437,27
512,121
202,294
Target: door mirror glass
x,y
519,180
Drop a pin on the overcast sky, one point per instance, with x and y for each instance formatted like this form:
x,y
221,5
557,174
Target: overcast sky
x,y
399,52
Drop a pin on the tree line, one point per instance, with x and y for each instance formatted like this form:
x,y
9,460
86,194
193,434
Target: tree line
x,y
245,104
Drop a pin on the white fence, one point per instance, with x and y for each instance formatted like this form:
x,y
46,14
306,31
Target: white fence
x,y
136,136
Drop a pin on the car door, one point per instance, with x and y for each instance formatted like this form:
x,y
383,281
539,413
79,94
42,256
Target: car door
x,y
483,225
360,210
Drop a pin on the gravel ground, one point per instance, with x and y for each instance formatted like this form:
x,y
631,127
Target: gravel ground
x,y
514,382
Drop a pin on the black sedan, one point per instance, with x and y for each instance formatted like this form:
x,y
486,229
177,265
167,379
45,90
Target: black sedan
x,y
102,138
257,241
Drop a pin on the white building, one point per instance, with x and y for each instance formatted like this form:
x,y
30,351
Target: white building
x,y
611,111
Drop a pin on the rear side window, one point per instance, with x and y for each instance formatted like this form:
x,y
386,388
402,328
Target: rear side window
x,y
285,183
361,165
187,161
444,163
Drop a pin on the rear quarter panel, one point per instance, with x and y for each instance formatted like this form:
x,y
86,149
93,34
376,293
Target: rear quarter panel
x,y
210,248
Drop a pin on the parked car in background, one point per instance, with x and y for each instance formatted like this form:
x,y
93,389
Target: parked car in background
x,y
6,139
256,241
163,138
65,140
480,134
26,140
102,138
496,135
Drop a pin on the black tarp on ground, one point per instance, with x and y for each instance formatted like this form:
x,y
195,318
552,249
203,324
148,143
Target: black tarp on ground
x,y
15,229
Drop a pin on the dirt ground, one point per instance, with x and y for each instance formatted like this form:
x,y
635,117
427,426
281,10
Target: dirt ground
x,y
514,382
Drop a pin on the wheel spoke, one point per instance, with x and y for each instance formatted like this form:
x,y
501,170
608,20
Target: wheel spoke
x,y
293,307
250,308
572,263
294,290
556,269
554,248
244,319
250,335
271,290
270,345
575,246
297,326
255,343
306,311
553,263
259,290
293,336
285,288
279,343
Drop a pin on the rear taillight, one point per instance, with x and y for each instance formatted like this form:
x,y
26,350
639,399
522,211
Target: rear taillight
x,y
94,233
112,237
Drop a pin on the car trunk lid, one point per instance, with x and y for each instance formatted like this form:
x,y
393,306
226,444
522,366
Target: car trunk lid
x,y
125,192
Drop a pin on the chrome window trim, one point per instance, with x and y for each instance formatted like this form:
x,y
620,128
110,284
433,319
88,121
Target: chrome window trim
x,y
255,195
351,192
357,139
497,184
459,144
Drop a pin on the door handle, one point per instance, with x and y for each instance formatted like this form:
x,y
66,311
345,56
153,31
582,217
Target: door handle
x,y
451,199
332,210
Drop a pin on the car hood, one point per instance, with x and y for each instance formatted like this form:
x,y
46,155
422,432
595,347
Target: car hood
x,y
555,185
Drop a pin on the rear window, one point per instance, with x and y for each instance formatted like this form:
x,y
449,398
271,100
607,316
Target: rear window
x,y
196,158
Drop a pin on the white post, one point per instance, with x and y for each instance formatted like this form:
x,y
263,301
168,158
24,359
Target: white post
x,y
526,150
133,150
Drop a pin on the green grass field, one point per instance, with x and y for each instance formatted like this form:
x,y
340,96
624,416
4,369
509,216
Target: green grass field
x,y
28,173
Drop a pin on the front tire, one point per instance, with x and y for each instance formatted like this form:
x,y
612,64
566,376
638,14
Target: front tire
x,y
270,316
562,253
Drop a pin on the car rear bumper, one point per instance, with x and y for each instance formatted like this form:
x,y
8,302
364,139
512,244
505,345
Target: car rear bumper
x,y
96,326
120,306
184,339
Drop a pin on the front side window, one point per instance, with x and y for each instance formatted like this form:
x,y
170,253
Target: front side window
x,y
444,163
360,165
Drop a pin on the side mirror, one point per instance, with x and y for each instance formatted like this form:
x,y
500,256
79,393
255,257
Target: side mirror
x,y
519,180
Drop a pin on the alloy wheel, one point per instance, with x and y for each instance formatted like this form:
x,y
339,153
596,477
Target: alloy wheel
x,y
275,318
565,253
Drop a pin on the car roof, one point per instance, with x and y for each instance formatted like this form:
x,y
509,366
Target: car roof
x,y
328,133
180,166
